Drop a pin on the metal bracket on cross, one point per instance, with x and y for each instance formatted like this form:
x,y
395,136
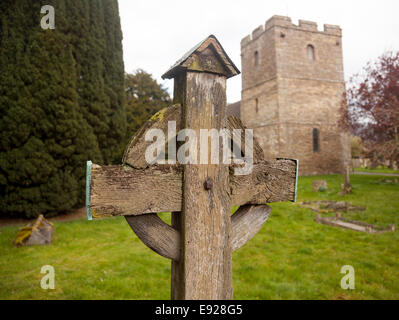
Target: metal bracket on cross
x,y
203,233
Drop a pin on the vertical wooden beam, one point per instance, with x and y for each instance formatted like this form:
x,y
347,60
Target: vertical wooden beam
x,y
206,234
204,271
177,270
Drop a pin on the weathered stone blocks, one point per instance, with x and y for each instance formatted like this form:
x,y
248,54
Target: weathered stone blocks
x,y
286,95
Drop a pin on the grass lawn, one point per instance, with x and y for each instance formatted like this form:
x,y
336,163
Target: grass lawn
x,y
291,258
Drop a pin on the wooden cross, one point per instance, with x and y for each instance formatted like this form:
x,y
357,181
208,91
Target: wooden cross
x,y
203,233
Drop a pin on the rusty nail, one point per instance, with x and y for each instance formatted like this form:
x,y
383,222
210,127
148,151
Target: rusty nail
x,y
208,185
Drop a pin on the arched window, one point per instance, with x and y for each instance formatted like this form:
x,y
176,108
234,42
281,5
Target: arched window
x,y
257,105
311,53
316,142
256,57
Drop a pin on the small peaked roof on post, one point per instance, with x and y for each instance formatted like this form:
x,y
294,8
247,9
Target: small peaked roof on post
x,y
207,56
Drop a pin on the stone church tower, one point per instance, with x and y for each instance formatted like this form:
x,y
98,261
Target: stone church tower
x,y
292,87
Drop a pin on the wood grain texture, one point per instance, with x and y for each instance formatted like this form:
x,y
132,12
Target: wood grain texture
x,y
200,59
234,123
134,154
165,240
246,223
177,267
269,181
206,212
125,191
157,235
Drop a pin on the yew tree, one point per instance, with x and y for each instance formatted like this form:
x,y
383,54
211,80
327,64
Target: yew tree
x,y
62,102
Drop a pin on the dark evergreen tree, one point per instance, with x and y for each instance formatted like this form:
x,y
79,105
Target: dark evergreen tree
x,y
97,48
55,104
114,81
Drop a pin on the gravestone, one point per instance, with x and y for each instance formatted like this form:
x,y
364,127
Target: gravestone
x,y
38,233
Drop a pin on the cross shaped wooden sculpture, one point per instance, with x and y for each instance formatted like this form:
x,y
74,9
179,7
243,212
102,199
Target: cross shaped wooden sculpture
x,y
203,233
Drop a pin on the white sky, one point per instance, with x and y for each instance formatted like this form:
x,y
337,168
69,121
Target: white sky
x,y
157,33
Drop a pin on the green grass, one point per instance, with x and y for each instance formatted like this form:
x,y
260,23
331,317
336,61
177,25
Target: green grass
x,y
380,169
291,258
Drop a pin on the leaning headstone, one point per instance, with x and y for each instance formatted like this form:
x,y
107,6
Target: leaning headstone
x,y
38,233
319,185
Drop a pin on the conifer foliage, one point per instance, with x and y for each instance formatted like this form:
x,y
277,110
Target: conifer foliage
x,y
61,101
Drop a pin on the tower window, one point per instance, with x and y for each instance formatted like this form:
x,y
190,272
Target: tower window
x,y
257,105
316,140
256,56
311,53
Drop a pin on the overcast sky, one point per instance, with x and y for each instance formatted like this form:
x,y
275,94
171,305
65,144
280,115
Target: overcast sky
x,y
158,32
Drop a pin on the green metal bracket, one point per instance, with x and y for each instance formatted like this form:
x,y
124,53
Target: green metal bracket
x,y
296,176
89,165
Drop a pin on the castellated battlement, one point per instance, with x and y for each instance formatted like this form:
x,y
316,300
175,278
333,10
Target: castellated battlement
x,y
286,22
279,21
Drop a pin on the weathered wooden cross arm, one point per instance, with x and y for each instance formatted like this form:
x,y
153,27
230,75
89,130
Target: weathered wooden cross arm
x,y
126,191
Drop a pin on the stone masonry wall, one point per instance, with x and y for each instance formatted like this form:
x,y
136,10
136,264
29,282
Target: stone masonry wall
x,y
287,95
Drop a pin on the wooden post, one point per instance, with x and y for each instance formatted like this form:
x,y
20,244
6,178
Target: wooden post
x,y
177,271
205,270
206,209
348,175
